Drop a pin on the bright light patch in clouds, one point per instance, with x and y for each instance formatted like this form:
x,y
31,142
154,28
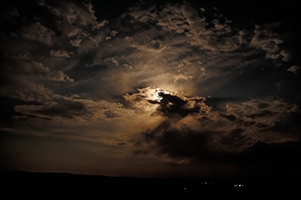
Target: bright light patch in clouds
x,y
154,94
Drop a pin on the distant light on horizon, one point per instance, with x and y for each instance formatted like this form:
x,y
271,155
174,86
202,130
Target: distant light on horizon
x,y
238,185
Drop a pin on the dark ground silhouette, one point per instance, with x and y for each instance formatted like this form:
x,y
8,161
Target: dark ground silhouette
x,y
25,185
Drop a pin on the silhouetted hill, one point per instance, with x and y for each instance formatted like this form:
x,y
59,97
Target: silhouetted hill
x,y
26,185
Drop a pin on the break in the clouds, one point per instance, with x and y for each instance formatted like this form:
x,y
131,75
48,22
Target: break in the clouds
x,y
154,84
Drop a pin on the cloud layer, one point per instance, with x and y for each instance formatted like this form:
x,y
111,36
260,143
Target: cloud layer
x,y
181,82
192,131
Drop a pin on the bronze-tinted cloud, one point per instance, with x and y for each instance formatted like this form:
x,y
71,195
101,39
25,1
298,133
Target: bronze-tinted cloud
x,y
228,135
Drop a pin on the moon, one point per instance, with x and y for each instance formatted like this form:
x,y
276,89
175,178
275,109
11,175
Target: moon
x,y
153,94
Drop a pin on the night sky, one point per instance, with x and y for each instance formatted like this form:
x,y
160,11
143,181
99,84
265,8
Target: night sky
x,y
151,88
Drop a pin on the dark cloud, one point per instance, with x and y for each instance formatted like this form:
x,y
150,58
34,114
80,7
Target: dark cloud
x,y
74,12
180,145
232,134
185,146
40,33
60,53
268,41
173,106
7,109
62,108
110,114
